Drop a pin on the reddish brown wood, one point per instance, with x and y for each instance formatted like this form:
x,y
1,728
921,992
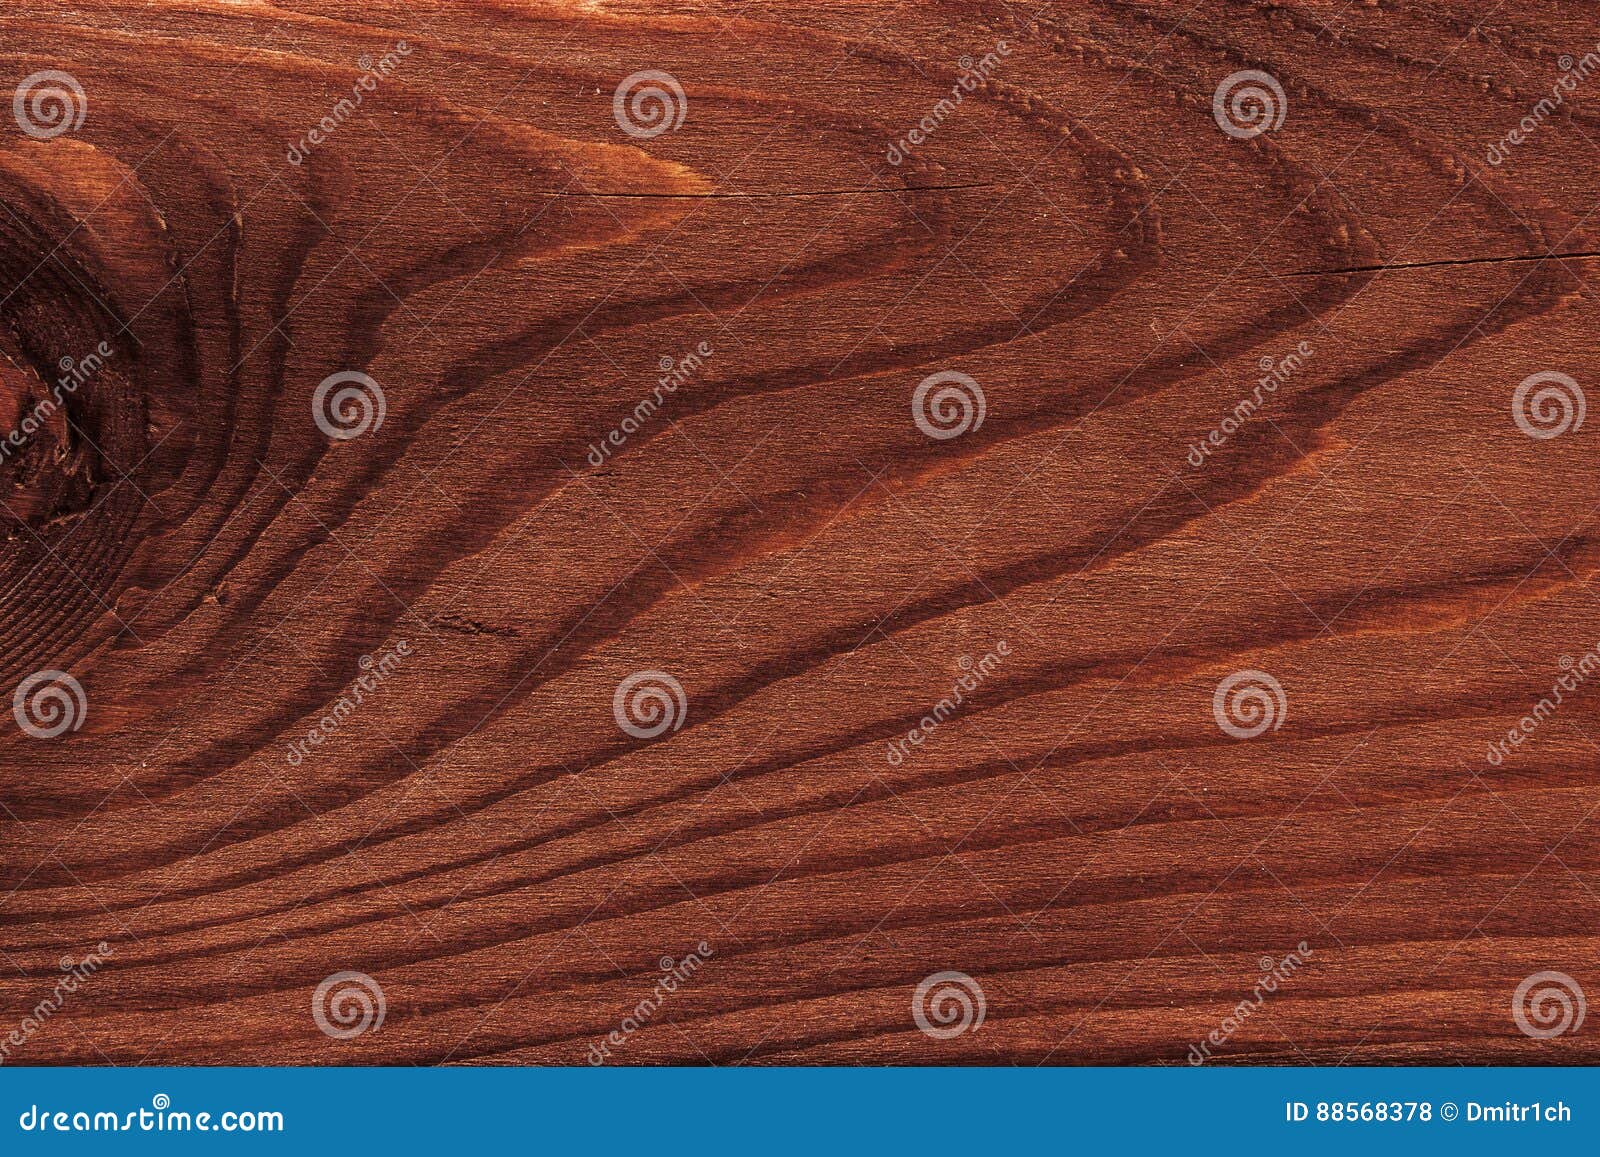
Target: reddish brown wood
x,y
1080,237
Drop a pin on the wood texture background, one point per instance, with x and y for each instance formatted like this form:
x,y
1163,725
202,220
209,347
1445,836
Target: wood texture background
x,y
1082,239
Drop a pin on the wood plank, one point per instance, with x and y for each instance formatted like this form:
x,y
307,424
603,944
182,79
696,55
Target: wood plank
x,y
796,500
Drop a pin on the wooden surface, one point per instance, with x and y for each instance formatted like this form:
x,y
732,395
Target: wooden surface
x,y
1081,238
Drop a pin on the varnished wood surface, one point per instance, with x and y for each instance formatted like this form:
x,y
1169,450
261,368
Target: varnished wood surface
x,y
1081,238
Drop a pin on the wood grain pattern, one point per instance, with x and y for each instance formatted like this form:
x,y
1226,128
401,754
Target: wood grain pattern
x,y
481,236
